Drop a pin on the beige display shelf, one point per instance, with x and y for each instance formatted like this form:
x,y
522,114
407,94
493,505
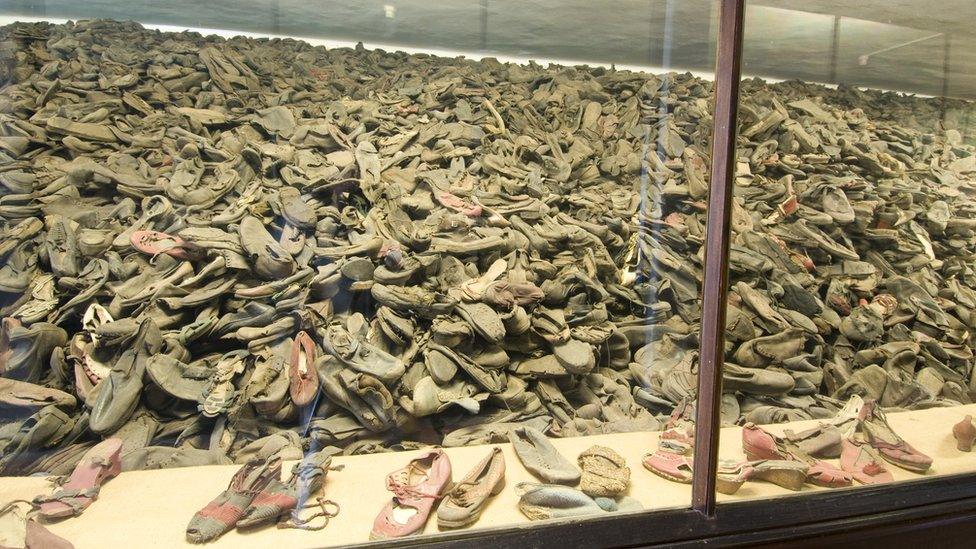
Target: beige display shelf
x,y
152,508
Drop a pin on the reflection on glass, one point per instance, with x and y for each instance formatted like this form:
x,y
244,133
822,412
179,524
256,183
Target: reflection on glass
x,y
848,344
377,293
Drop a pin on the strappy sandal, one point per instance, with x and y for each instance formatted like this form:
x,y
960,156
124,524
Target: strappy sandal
x,y
283,500
96,467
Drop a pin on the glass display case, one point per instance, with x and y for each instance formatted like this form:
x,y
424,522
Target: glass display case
x,y
335,273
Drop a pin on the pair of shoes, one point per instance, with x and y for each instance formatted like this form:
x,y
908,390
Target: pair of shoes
x,y
256,496
426,480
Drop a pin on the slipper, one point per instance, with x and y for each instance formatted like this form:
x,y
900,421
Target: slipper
x,y
541,458
96,467
605,473
674,467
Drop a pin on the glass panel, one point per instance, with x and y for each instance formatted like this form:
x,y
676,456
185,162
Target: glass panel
x,y
225,255
849,350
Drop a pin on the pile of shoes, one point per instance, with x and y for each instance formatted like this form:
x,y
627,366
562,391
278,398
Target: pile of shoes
x,y
226,250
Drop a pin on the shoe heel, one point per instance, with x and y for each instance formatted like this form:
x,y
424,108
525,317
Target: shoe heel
x,y
965,434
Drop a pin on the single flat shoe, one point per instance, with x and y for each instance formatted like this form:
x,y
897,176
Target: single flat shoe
x,y
788,474
155,243
892,447
548,501
303,379
270,260
96,467
823,441
416,489
541,458
605,472
466,501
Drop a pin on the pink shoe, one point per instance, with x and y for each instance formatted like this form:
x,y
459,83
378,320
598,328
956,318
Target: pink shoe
x,y
458,204
96,467
759,444
892,447
304,380
416,488
155,243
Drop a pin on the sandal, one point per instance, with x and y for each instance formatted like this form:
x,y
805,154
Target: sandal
x,y
281,500
96,467
892,447
863,463
679,468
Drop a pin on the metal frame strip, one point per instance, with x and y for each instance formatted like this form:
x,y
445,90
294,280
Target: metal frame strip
x,y
728,64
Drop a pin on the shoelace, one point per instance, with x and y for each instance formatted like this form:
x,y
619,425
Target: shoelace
x,y
462,492
397,483
295,521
